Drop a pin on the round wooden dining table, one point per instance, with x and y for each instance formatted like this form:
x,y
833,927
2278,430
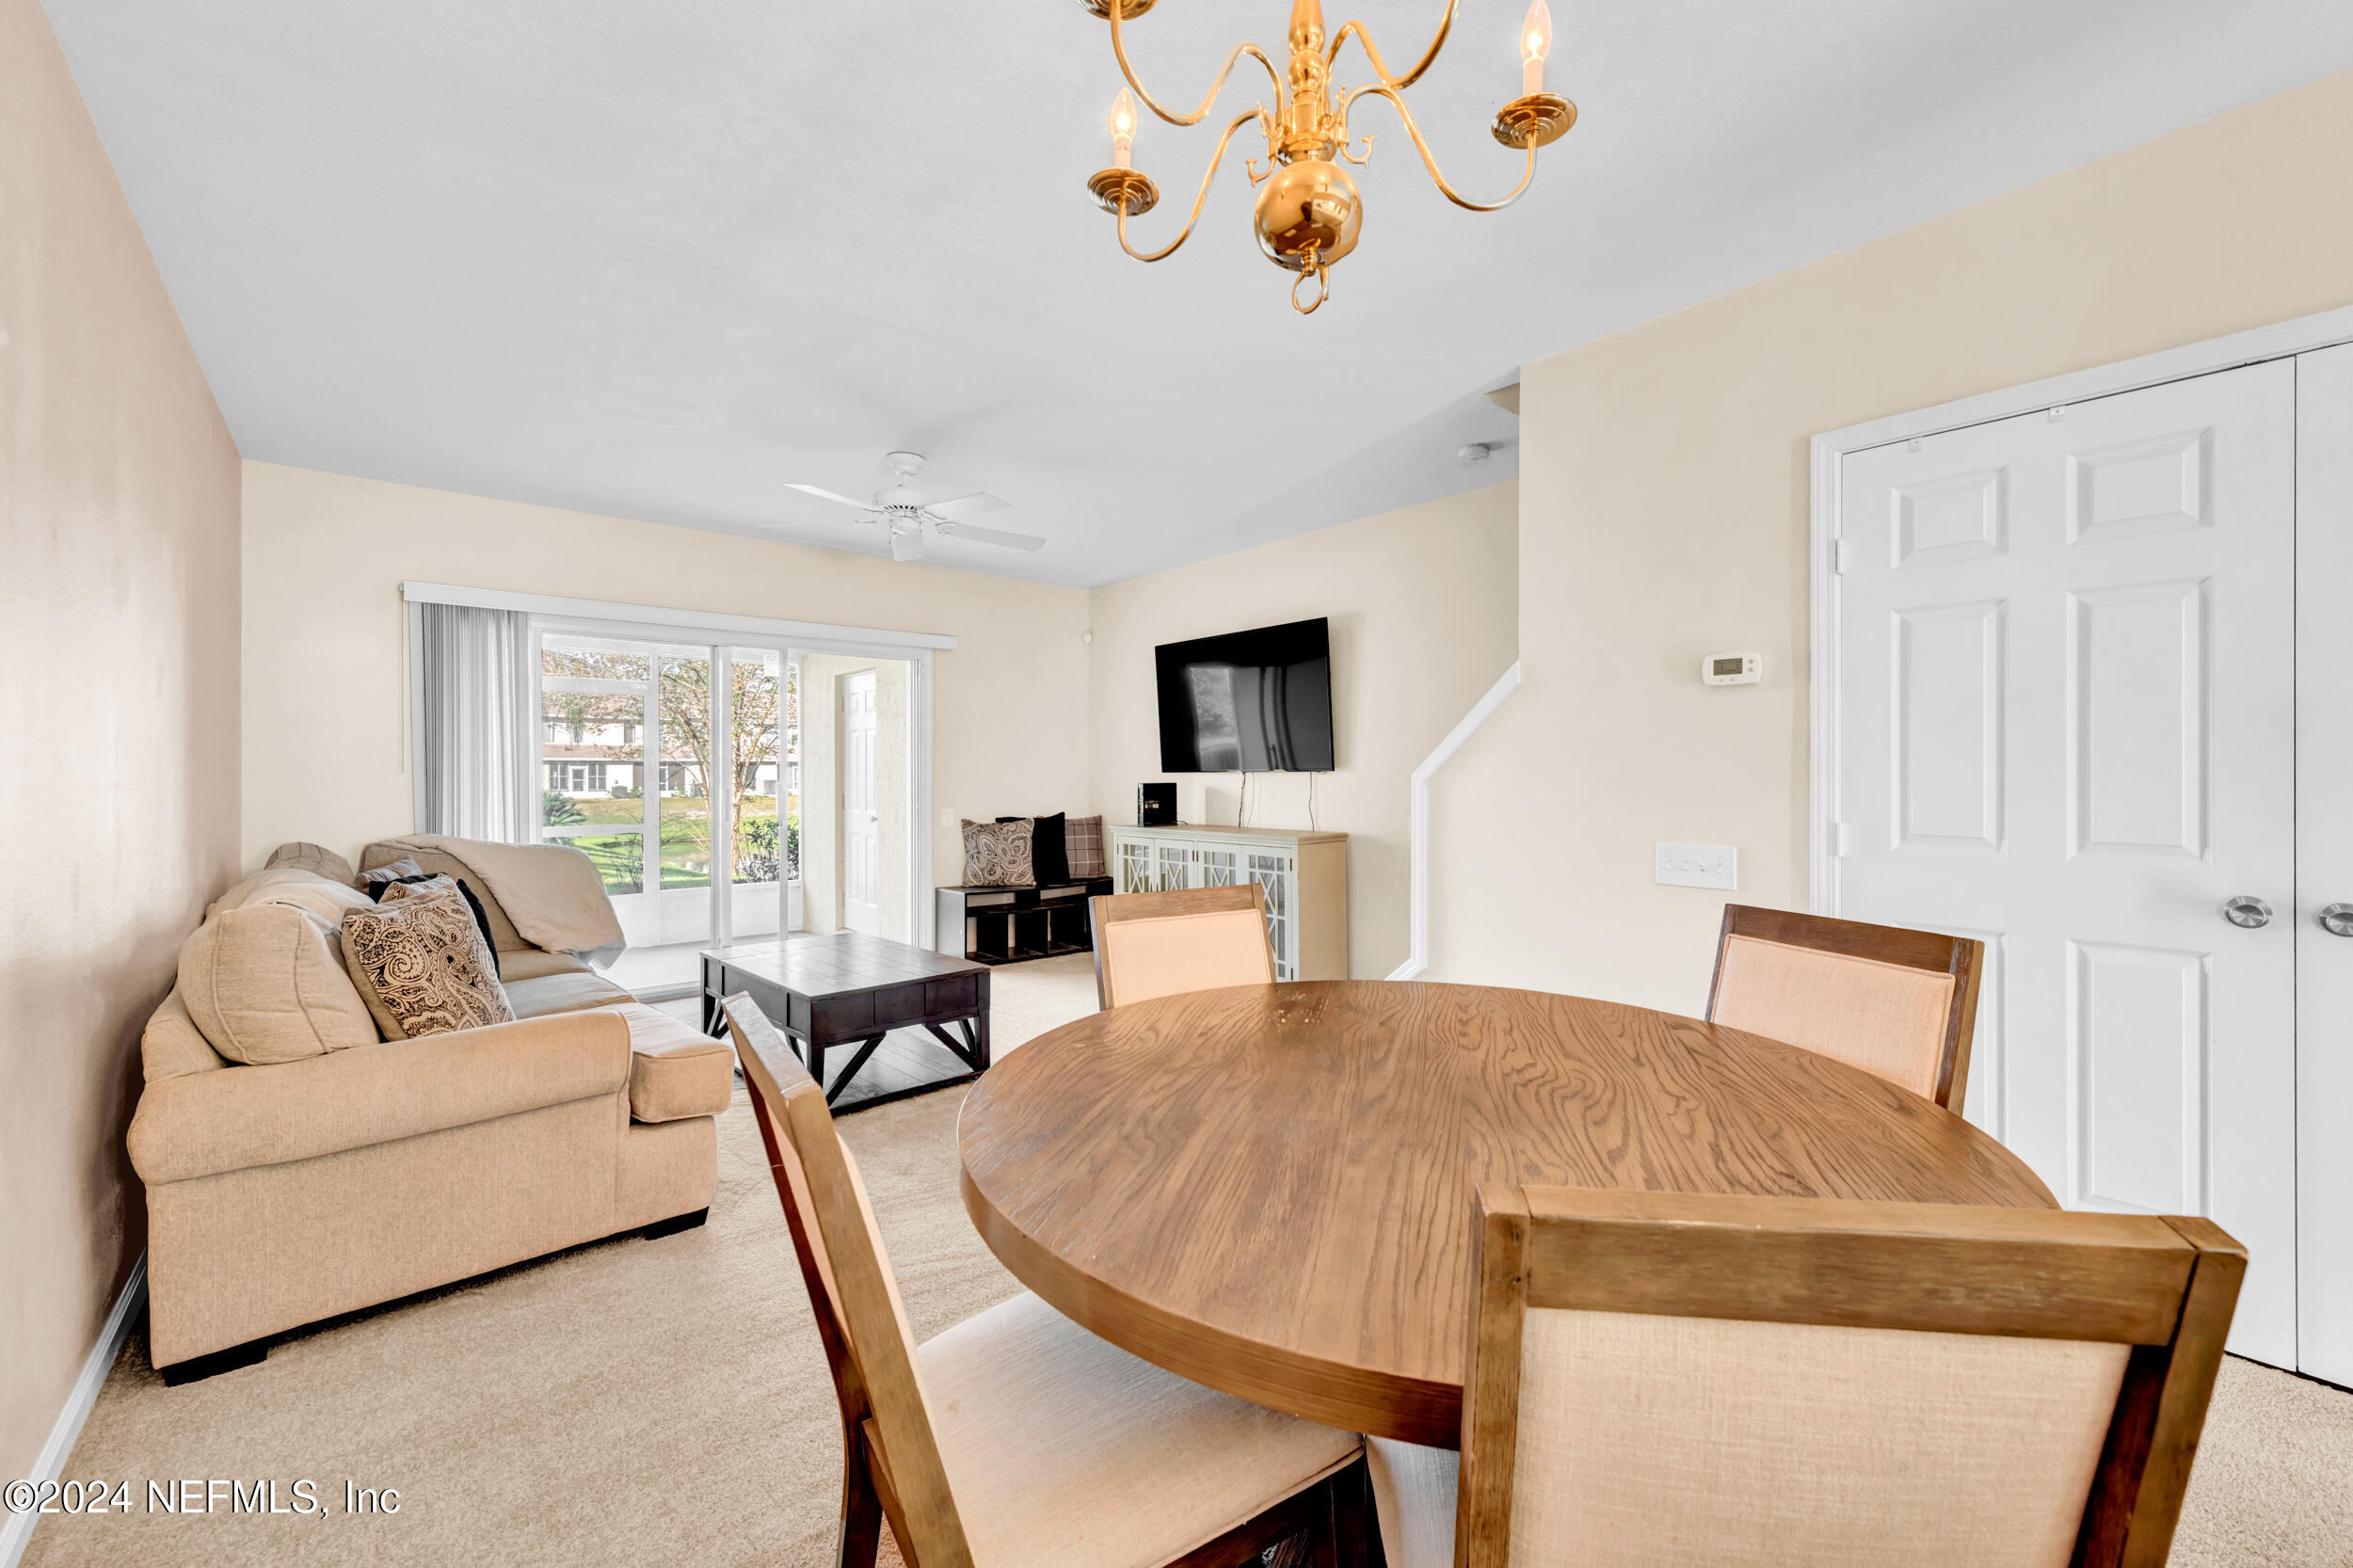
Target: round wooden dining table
x,y
1267,1189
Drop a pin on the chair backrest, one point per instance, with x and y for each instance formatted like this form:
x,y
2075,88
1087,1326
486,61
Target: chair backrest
x,y
1151,945
860,1318
1762,1383
1900,1004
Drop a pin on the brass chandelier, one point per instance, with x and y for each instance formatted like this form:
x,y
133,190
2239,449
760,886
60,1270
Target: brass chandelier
x,y
1309,213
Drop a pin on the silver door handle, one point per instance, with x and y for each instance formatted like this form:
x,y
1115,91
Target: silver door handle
x,y
2337,919
2246,910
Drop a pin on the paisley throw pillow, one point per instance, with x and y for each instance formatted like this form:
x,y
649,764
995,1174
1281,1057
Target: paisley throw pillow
x,y
997,854
422,966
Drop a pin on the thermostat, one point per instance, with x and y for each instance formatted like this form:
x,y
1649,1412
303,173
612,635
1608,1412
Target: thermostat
x,y
1731,669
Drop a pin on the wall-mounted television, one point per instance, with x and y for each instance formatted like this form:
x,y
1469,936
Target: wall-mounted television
x,y
1249,702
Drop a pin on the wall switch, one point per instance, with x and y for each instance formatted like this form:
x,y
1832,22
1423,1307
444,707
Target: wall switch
x,y
1698,866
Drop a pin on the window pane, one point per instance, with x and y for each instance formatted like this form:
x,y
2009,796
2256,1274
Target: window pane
x,y
685,811
756,704
619,857
591,755
593,659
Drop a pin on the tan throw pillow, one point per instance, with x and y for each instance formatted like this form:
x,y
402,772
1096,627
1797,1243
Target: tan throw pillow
x,y
267,984
997,854
1082,841
313,857
423,968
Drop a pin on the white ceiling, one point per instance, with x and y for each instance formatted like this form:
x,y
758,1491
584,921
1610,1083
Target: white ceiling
x,y
658,258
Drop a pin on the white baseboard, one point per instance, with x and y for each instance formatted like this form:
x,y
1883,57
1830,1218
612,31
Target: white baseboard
x,y
1418,899
16,1530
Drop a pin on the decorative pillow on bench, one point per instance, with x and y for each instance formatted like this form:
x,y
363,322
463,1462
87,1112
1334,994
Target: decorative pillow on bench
x,y
1082,846
422,965
1049,862
997,854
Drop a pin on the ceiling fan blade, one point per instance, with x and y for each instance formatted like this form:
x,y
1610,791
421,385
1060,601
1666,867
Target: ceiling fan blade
x,y
991,536
978,504
823,494
907,544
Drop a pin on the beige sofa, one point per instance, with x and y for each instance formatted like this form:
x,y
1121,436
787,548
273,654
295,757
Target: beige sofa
x,y
284,1194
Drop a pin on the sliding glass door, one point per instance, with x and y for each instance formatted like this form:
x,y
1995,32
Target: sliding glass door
x,y
668,765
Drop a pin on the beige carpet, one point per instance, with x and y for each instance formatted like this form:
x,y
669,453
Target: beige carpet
x,y
665,1403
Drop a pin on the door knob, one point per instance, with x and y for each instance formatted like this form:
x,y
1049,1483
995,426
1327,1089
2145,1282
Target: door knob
x,y
2337,919
2249,911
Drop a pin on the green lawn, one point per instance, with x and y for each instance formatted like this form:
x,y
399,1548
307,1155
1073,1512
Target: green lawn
x,y
686,836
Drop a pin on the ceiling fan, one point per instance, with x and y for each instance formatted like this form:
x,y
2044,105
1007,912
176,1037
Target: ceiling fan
x,y
909,514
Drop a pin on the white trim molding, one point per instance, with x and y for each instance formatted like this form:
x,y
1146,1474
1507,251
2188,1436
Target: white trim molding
x,y
16,1530
2281,339
649,615
1417,900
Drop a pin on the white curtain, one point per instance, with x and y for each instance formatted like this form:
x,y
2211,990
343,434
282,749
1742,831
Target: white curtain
x,y
473,723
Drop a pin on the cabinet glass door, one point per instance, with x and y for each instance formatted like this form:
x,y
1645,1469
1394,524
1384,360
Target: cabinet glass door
x,y
1135,867
1278,875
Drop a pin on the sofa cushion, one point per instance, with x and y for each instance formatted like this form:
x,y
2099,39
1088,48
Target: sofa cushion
x,y
382,887
291,885
566,992
535,963
265,984
503,937
674,1071
173,1047
313,857
422,966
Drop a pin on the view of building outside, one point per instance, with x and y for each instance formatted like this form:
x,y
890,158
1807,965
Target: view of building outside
x,y
597,770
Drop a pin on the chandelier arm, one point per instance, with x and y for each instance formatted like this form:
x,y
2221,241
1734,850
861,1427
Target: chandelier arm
x,y
1364,36
1119,48
1203,194
1377,89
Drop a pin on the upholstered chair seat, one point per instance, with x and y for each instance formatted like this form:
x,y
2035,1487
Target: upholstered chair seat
x,y
1065,1451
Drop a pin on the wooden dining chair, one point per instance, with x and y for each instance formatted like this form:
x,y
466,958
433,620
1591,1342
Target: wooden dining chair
x,y
1899,1004
1661,1378
1017,1439
1151,945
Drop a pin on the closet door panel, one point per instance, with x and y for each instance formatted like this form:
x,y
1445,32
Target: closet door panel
x,y
2324,809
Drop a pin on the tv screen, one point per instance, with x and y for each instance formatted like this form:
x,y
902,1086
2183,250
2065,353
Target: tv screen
x,y
1249,702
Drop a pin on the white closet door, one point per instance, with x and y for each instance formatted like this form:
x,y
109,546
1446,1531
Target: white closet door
x,y
2324,809
2066,726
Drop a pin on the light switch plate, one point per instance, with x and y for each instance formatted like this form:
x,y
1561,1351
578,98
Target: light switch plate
x,y
1698,866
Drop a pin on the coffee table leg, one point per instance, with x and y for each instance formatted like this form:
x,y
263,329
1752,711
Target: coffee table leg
x,y
865,1050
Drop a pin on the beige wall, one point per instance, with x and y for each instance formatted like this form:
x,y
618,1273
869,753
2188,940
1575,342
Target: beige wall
x,y
325,756
1663,515
118,634
1424,617
821,792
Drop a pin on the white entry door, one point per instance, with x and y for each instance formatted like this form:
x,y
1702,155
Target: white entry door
x,y
2065,725
861,822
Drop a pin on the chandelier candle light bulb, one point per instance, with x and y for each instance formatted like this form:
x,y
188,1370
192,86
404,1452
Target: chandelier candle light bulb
x,y
1123,123
1535,43
1308,215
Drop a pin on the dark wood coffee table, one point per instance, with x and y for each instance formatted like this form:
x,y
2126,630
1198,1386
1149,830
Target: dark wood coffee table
x,y
849,988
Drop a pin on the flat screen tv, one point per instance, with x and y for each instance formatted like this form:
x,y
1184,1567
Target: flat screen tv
x,y
1249,702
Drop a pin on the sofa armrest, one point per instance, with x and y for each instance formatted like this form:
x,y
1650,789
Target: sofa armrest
x,y
241,1117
